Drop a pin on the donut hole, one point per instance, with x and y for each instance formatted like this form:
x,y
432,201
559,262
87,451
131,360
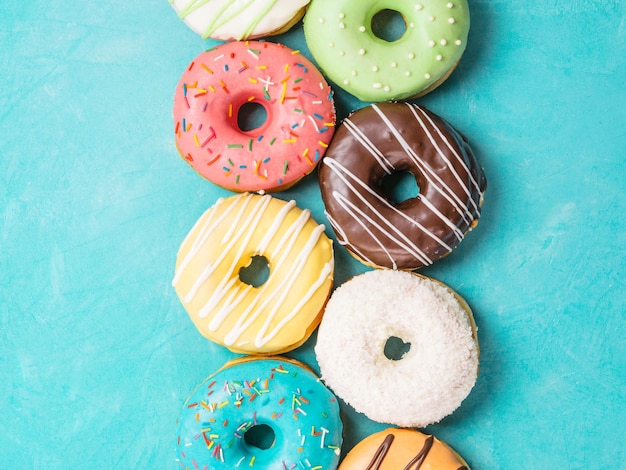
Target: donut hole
x,y
261,436
388,25
250,116
399,186
256,272
395,348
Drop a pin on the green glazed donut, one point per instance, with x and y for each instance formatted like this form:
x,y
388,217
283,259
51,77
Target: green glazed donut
x,y
341,39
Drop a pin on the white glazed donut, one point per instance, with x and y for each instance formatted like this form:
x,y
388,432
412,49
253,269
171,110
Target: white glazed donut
x,y
429,381
239,19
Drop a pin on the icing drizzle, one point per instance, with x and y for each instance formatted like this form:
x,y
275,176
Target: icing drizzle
x,y
236,19
366,221
225,305
414,464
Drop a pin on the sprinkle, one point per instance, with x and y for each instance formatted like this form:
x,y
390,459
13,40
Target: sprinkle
x,y
252,460
323,144
208,70
250,145
254,53
451,20
241,460
252,80
219,155
272,143
235,146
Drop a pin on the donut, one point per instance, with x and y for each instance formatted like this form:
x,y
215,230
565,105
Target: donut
x,y
407,343
279,314
387,139
249,19
394,449
218,88
341,39
270,413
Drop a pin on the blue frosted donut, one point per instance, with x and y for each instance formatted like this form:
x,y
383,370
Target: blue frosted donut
x,y
265,413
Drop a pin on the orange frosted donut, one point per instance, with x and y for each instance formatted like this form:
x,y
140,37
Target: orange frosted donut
x,y
218,89
394,449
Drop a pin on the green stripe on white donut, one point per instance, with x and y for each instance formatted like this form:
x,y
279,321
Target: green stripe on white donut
x,y
339,35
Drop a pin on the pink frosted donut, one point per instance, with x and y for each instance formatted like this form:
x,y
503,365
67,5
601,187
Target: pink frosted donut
x,y
217,89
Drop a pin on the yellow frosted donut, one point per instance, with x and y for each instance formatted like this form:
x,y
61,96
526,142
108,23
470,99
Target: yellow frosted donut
x,y
279,314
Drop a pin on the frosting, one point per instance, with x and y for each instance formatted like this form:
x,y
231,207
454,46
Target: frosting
x,y
397,449
339,35
287,146
277,393
238,19
383,139
276,316
433,377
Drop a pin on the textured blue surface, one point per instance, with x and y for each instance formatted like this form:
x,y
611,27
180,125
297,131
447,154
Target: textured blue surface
x,y
97,354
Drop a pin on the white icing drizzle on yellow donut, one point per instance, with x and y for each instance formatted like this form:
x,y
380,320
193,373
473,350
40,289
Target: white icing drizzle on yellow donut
x,y
234,313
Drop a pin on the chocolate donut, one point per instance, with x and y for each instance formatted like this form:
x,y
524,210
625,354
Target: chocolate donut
x,y
388,138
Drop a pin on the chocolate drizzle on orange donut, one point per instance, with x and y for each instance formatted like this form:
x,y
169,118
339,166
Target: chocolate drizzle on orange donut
x,y
379,456
418,460
414,464
388,138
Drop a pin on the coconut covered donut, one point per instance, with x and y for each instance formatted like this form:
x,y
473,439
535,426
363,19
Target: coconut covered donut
x,y
387,139
270,413
239,19
218,88
341,37
366,316
276,314
394,449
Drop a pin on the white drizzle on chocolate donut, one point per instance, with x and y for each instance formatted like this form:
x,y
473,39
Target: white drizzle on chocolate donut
x,y
390,137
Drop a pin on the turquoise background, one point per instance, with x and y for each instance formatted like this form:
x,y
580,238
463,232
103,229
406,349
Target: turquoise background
x,y
96,352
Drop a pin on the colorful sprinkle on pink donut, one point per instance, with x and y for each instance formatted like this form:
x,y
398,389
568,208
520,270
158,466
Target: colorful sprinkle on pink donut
x,y
220,83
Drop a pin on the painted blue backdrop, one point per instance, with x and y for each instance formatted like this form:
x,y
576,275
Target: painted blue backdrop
x,y
96,353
